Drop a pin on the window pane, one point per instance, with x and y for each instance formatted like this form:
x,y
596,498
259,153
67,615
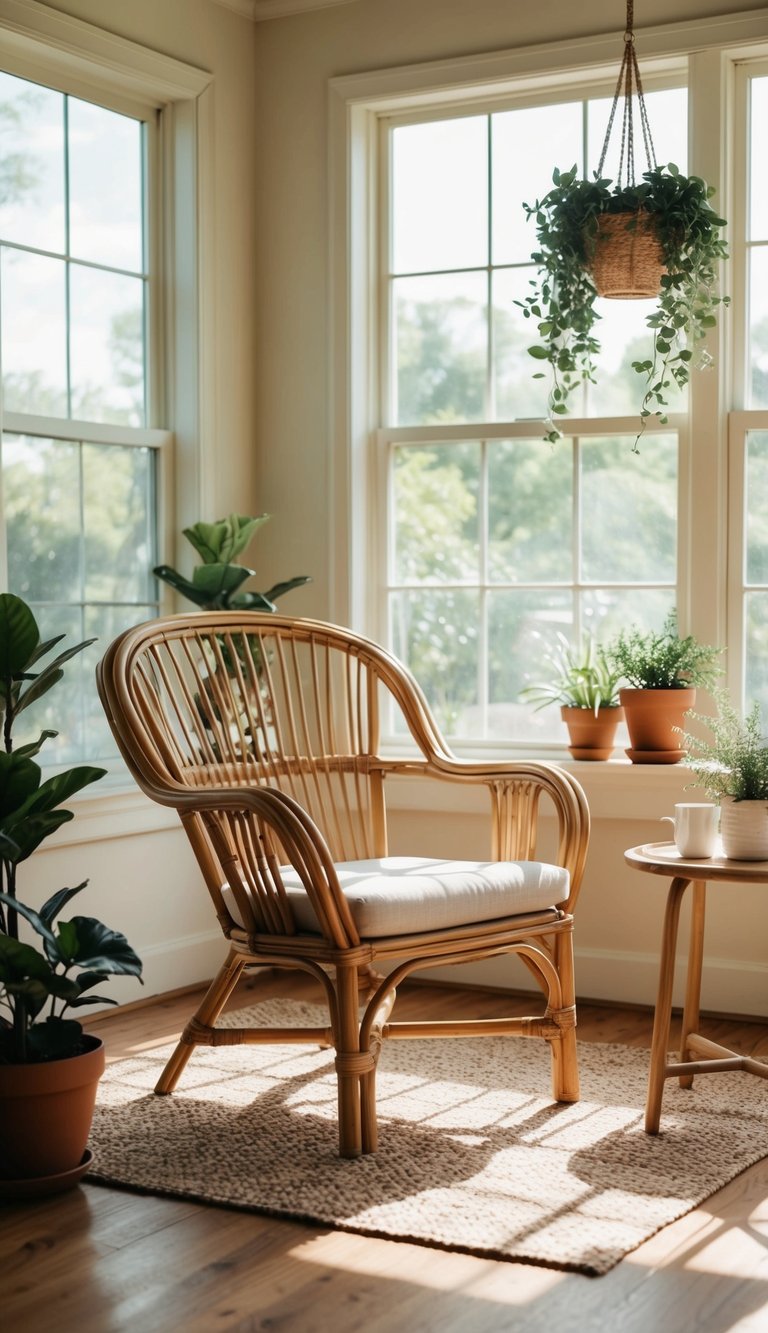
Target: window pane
x,y
634,540
107,346
521,627
436,634
440,348
435,511
624,337
117,508
668,115
607,611
41,492
756,506
440,195
758,182
756,645
518,394
530,492
103,623
105,186
527,144
34,347
758,326
31,165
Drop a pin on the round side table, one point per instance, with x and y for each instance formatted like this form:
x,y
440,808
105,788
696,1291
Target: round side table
x,y
698,1055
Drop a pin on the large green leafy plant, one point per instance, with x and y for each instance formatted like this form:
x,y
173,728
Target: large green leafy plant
x,y
78,954
563,300
217,584
662,659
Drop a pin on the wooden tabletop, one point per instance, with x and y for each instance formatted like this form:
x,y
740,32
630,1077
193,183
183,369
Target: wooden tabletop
x,y
663,858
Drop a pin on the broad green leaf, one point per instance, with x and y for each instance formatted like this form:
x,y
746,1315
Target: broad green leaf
x,y
19,635
104,950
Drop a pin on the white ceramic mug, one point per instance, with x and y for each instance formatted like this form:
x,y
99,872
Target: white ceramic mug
x,y
695,825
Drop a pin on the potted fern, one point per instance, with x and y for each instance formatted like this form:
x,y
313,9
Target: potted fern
x,y
585,685
731,764
49,1068
673,245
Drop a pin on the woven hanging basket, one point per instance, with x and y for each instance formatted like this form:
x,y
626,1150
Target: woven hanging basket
x,y
627,262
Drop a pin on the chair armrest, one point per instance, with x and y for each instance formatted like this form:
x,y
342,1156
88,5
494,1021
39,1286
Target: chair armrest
x,y
515,788
300,839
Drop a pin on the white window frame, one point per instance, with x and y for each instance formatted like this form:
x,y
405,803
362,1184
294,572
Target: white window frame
x,y
42,45
54,49
710,49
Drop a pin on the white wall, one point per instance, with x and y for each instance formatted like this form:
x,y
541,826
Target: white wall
x,y
272,452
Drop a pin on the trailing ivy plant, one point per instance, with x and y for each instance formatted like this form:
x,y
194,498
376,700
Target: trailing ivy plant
x,y
564,294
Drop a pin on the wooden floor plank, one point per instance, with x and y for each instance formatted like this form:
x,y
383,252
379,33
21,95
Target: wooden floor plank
x,y
101,1260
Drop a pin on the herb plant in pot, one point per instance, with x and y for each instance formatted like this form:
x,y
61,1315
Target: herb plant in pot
x,y
585,685
49,1068
662,671
731,764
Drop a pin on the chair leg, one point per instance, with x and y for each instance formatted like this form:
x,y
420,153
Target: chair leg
x,y
202,1021
565,1067
350,1062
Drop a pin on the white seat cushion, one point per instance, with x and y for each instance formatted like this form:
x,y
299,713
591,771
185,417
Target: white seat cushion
x,y
405,895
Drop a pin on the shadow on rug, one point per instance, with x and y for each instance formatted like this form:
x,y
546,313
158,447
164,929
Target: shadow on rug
x,y
473,1155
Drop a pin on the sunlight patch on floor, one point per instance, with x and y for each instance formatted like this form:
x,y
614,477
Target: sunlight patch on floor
x,y
440,1270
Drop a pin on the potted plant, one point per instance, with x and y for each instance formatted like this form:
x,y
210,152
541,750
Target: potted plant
x,y
49,1069
585,685
662,671
216,584
672,239
731,764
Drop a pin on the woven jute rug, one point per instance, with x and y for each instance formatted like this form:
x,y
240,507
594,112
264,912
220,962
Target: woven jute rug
x,y
473,1155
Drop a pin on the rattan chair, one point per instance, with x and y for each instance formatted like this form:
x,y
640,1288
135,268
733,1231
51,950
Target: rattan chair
x,y
263,733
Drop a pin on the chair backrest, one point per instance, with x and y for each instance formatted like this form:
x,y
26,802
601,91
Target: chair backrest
x,y
228,700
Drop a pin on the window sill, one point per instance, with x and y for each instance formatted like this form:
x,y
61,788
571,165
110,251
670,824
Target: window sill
x,y
615,789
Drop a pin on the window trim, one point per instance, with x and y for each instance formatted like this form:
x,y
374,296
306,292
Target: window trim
x,y
73,56
356,103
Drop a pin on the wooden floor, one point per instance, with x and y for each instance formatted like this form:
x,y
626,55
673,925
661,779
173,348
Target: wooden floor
x,y
97,1260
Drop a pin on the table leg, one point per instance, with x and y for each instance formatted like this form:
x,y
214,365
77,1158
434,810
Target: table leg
x,y
693,983
663,1015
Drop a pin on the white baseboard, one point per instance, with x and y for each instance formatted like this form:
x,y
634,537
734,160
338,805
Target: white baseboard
x,y
728,985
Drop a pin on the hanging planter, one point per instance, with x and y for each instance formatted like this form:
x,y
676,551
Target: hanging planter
x,y
628,260
657,238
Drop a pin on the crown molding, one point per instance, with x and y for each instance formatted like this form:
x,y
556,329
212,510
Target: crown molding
x,y
258,10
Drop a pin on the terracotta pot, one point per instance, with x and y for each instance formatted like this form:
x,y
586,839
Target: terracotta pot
x,y
45,1115
744,829
652,716
591,734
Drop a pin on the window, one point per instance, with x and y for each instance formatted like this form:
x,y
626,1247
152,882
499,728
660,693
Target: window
x,y
749,427
79,469
468,541
498,540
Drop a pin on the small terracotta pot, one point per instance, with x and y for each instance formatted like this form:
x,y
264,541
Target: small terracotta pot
x,y
591,734
652,716
744,829
45,1113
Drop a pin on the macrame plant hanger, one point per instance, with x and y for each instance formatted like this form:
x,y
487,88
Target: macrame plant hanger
x,y
628,263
